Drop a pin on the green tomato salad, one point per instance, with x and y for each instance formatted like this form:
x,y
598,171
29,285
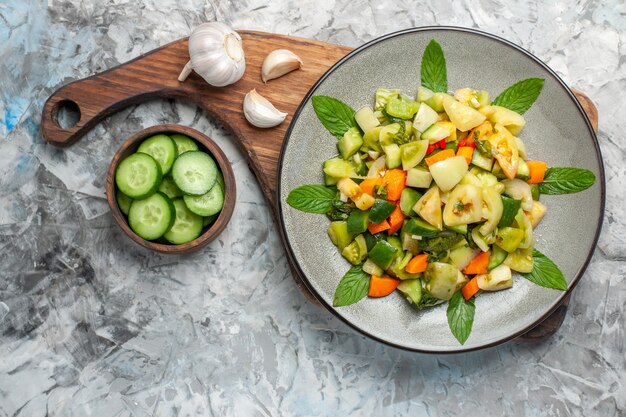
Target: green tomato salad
x,y
436,197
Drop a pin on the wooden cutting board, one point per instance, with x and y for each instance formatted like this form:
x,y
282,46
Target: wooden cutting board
x,y
155,76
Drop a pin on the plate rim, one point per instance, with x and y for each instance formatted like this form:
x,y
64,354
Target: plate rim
x,y
461,349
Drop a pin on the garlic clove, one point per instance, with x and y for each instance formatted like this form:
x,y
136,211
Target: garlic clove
x,y
260,112
278,63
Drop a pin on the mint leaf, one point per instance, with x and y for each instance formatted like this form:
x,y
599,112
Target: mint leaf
x,y
566,180
335,115
461,316
521,95
353,287
433,71
312,198
546,273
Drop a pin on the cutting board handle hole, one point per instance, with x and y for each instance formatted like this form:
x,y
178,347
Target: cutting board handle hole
x,y
66,114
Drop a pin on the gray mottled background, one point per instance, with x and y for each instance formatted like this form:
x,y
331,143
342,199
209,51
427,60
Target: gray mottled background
x,y
91,324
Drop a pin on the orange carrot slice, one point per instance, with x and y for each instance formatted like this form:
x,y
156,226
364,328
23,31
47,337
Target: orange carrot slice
x,y
382,286
478,265
466,152
417,264
537,171
470,289
440,156
377,228
395,181
396,218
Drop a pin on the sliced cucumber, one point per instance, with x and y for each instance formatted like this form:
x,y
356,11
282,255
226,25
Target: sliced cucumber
x,y
394,156
162,148
151,217
206,204
350,143
170,189
184,143
187,225
123,202
208,220
194,172
138,175
339,168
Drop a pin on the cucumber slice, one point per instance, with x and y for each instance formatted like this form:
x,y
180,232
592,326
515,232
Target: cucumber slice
x,y
425,118
358,221
220,180
170,189
194,172
436,132
206,204
187,225
339,168
482,161
366,119
419,227
123,202
523,171
162,148
419,178
393,153
138,176
350,143
184,143
151,217
206,221
412,289
497,256
408,198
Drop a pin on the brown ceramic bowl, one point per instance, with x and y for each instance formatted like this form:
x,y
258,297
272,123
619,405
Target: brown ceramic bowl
x,y
205,144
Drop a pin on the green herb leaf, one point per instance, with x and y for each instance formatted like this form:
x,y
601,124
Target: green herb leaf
x,y
566,180
546,273
335,115
311,198
461,316
433,71
521,95
353,287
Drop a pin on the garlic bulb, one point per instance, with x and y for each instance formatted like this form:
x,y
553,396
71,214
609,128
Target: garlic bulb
x,y
216,54
278,63
260,112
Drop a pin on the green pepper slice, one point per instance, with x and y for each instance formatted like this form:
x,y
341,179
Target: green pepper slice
x,y
381,209
383,253
358,221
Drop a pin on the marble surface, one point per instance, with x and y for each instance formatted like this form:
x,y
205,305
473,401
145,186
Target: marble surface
x,y
91,324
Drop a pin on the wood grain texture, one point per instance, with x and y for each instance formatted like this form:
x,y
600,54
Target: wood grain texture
x,y
155,75
205,144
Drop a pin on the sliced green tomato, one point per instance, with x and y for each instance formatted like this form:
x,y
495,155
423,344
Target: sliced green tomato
x,y
510,207
436,101
369,267
187,225
401,108
170,189
388,133
438,131
441,280
381,210
412,290
513,121
498,255
461,115
194,172
524,223
425,118
383,254
480,240
123,202
509,238
350,143
184,143
162,148
371,139
412,153
492,210
394,156
339,168
462,254
536,213
504,149
206,204
429,207
418,178
356,251
499,278
448,173
519,190
366,119
418,227
138,175
383,95
408,198
151,217
464,206
358,221
339,235
521,260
